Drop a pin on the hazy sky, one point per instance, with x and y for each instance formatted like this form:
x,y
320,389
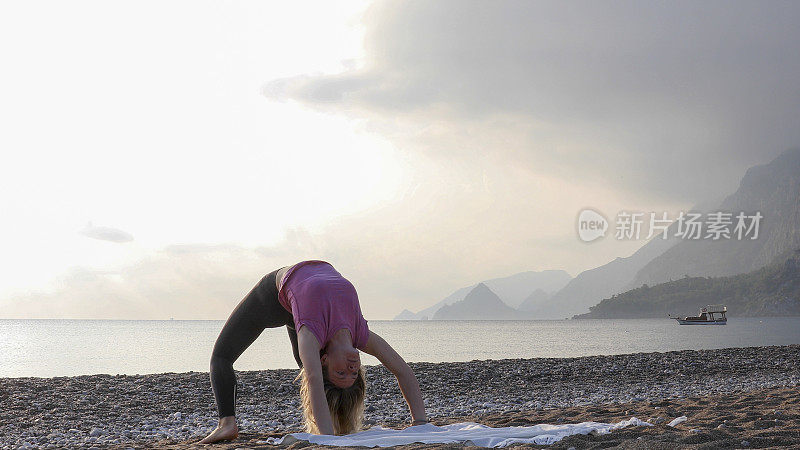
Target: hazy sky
x,y
160,157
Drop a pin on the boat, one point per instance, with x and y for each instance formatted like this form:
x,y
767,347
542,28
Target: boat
x,y
710,315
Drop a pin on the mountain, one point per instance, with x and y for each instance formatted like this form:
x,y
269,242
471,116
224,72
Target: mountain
x,y
428,312
405,315
535,300
772,189
512,290
593,285
479,304
773,290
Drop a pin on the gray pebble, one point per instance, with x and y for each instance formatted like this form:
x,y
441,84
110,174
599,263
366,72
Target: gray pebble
x,y
180,406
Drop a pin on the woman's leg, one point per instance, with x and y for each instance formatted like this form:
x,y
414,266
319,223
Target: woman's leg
x,y
254,313
293,340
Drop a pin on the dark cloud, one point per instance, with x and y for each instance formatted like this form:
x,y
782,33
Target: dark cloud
x,y
106,234
675,99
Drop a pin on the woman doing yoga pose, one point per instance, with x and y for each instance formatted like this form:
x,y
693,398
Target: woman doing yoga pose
x,y
321,312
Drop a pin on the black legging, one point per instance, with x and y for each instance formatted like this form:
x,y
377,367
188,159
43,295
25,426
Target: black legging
x,y
260,309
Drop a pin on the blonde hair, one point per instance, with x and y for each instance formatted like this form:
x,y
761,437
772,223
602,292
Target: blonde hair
x,y
345,404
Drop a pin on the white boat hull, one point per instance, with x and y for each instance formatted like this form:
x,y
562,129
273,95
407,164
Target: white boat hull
x,y
702,322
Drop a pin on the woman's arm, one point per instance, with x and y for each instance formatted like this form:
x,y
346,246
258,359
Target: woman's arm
x,y
406,379
308,347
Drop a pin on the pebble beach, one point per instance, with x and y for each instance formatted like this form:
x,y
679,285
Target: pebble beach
x,y
736,397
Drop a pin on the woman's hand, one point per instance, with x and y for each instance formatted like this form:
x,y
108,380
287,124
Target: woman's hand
x,y
406,379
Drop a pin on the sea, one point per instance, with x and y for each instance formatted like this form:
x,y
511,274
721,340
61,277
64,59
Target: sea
x,y
63,347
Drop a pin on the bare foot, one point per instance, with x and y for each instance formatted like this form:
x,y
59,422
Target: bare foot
x,y
226,430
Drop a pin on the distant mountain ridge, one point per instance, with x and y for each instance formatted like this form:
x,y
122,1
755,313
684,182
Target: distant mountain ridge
x,y
772,189
512,290
535,300
591,286
480,303
773,290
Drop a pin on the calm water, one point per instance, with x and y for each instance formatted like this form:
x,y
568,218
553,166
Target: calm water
x,y
47,348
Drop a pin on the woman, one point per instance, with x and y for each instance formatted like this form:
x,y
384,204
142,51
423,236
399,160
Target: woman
x,y
326,328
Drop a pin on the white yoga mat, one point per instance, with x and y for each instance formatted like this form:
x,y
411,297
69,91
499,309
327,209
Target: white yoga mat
x,y
465,432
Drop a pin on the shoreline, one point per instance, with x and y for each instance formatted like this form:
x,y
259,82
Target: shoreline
x,y
177,409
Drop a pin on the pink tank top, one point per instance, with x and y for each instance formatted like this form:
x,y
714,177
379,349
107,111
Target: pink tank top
x,y
322,300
